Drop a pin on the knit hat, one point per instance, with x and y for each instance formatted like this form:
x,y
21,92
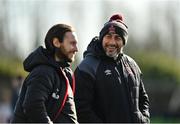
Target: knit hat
x,y
116,25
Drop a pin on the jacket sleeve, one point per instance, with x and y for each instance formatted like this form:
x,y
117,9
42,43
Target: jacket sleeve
x,y
84,97
38,90
144,103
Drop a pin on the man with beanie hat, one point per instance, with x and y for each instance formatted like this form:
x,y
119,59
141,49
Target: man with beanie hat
x,y
47,94
109,86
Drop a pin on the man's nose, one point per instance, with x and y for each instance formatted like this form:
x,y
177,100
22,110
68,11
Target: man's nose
x,y
112,41
75,48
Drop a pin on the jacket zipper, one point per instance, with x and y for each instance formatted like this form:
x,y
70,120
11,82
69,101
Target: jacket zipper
x,y
119,76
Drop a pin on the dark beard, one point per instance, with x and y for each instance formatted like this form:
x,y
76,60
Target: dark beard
x,y
60,54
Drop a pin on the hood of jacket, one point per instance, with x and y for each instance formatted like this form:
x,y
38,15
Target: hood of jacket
x,y
94,48
41,57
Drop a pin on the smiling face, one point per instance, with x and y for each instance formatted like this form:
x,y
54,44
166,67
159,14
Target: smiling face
x,y
112,44
66,49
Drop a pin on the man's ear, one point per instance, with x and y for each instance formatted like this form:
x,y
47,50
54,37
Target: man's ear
x,y
56,42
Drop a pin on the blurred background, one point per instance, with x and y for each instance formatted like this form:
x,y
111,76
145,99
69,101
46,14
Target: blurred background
x,y
154,42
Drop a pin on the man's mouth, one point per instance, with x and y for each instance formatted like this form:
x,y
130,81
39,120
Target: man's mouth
x,y
111,48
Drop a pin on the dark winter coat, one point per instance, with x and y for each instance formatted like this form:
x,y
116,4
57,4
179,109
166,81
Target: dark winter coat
x,y
109,90
46,92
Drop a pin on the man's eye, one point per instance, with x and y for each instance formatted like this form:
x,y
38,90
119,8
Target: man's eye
x,y
108,36
118,38
73,43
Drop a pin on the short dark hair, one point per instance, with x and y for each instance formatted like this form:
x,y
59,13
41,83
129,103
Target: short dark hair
x,y
56,31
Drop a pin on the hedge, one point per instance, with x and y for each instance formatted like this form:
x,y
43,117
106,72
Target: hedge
x,y
158,66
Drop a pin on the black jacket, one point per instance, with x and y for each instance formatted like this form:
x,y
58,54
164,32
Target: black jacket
x,y
46,92
109,90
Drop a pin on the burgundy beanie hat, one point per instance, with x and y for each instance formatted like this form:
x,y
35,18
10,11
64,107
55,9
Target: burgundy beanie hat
x,y
115,24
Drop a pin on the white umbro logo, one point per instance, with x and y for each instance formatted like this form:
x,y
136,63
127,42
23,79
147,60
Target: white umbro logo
x,y
107,72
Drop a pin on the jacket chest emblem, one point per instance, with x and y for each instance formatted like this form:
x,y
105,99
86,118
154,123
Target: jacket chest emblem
x,y
55,94
108,72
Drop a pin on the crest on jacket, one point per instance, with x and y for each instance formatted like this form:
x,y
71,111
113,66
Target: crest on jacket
x,y
55,94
